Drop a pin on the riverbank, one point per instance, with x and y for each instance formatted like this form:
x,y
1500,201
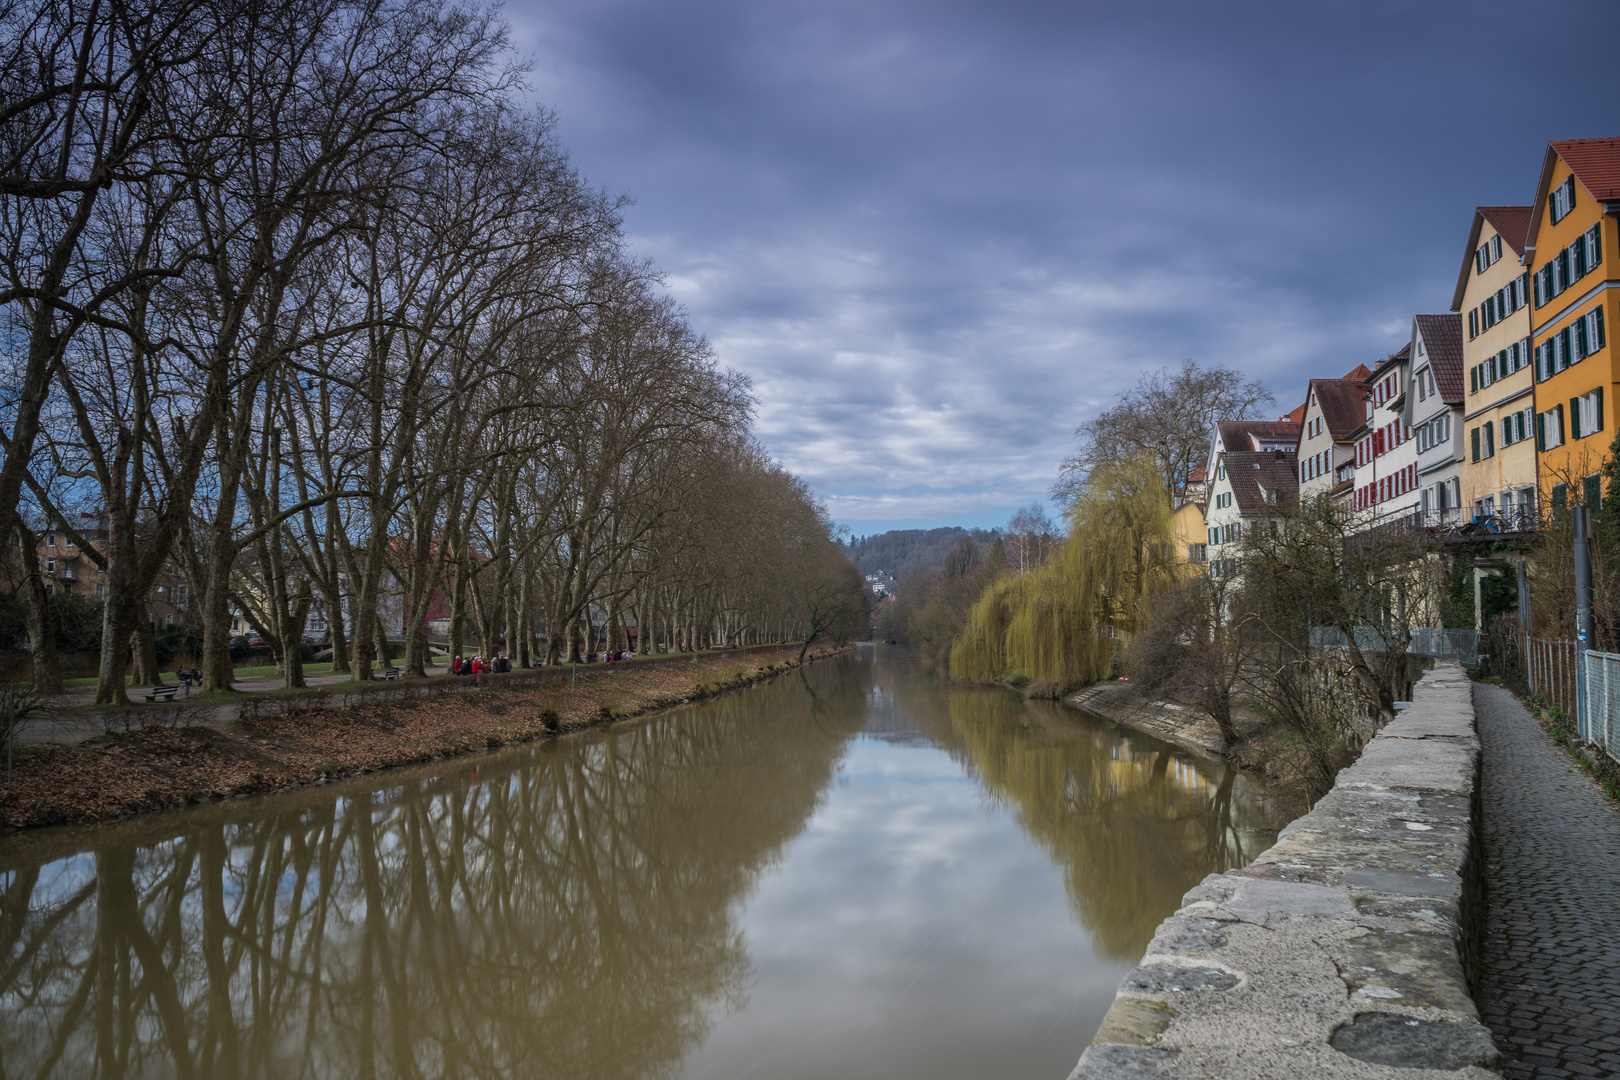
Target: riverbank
x,y
1268,751
1122,703
166,767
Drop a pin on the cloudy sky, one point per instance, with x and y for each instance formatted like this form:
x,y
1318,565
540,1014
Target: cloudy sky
x,y
939,235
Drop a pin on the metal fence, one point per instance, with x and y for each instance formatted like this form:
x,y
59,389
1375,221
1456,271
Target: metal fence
x,y
1445,644
1601,724
1550,668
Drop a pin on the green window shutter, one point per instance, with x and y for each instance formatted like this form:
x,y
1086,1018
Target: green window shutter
x,y
1597,329
1541,432
1594,245
1597,410
1579,340
1474,437
1490,438
1473,380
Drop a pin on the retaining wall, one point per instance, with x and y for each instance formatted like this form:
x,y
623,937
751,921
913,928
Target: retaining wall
x,y
1348,948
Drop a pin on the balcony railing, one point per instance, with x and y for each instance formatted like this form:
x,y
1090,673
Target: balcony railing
x,y
1463,523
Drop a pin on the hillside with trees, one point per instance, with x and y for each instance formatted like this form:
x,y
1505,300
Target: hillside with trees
x,y
899,550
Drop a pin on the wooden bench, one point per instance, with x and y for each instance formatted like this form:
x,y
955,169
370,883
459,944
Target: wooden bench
x,y
161,693
391,673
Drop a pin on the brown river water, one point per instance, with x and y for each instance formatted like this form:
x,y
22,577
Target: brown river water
x,y
850,871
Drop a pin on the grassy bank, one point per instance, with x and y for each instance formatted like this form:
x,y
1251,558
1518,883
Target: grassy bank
x,y
164,767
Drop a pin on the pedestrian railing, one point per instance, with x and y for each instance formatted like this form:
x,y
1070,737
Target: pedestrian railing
x,y
1600,724
1444,644
1551,669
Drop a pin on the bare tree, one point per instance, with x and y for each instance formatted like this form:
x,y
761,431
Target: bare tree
x,y
1166,416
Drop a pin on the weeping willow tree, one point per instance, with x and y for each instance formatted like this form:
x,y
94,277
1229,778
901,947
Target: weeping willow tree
x,y
1061,622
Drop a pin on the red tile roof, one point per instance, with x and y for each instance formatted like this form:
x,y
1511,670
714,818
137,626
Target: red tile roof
x,y
1443,340
1252,475
1342,402
1295,415
1512,222
1360,371
1595,163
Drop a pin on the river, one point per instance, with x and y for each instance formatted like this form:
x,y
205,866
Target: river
x,y
851,871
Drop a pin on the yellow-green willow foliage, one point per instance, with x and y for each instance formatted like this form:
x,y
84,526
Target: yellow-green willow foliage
x,y
1060,622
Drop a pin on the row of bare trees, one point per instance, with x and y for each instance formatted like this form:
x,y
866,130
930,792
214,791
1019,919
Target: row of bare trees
x,y
300,300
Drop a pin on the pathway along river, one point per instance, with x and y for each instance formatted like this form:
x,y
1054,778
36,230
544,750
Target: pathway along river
x,y
849,872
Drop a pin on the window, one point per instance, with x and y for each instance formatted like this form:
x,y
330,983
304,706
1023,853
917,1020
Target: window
x,y
1562,199
1592,492
50,564
1550,428
50,539
1496,248
1473,323
1586,414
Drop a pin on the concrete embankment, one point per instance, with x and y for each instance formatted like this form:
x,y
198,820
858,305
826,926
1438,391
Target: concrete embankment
x,y
1345,950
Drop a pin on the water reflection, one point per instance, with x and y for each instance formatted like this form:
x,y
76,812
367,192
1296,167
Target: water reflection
x,y
572,917
1133,822
693,893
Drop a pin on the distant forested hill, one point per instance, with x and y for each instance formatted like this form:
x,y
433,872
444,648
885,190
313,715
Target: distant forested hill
x,y
900,550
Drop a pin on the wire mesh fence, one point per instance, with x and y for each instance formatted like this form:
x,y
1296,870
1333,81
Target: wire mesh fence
x,y
1601,724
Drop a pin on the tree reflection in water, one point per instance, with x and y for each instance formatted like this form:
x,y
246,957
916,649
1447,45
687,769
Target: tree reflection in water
x,y
569,910
570,913
1132,822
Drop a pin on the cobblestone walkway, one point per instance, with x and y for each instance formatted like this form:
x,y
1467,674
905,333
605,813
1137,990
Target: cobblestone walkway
x,y
1551,993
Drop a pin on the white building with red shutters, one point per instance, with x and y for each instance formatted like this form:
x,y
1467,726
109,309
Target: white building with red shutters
x,y
1387,482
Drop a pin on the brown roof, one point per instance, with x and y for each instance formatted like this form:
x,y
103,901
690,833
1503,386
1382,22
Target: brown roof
x,y
1343,404
1443,338
1243,434
1272,471
1513,222
1359,372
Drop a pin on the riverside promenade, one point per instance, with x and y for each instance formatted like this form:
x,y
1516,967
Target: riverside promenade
x,y
1551,988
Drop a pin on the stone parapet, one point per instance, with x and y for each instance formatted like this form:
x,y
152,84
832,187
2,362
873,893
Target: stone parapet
x,y
1345,950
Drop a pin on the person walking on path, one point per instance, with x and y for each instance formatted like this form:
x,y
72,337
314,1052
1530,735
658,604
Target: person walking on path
x,y
1550,991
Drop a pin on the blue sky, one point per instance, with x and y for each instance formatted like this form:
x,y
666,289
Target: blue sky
x,y
939,236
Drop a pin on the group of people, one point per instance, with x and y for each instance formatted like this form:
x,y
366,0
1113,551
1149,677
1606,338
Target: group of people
x,y
477,665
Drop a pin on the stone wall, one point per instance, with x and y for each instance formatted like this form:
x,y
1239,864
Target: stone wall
x,y
1348,948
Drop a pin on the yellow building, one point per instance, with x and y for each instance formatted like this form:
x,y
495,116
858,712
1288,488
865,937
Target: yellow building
x,y
1497,472
1572,255
1187,532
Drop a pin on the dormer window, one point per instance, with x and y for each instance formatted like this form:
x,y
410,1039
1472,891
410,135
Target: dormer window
x,y
1562,199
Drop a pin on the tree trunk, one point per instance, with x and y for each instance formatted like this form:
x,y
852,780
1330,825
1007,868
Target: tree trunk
x,y
143,643
37,612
